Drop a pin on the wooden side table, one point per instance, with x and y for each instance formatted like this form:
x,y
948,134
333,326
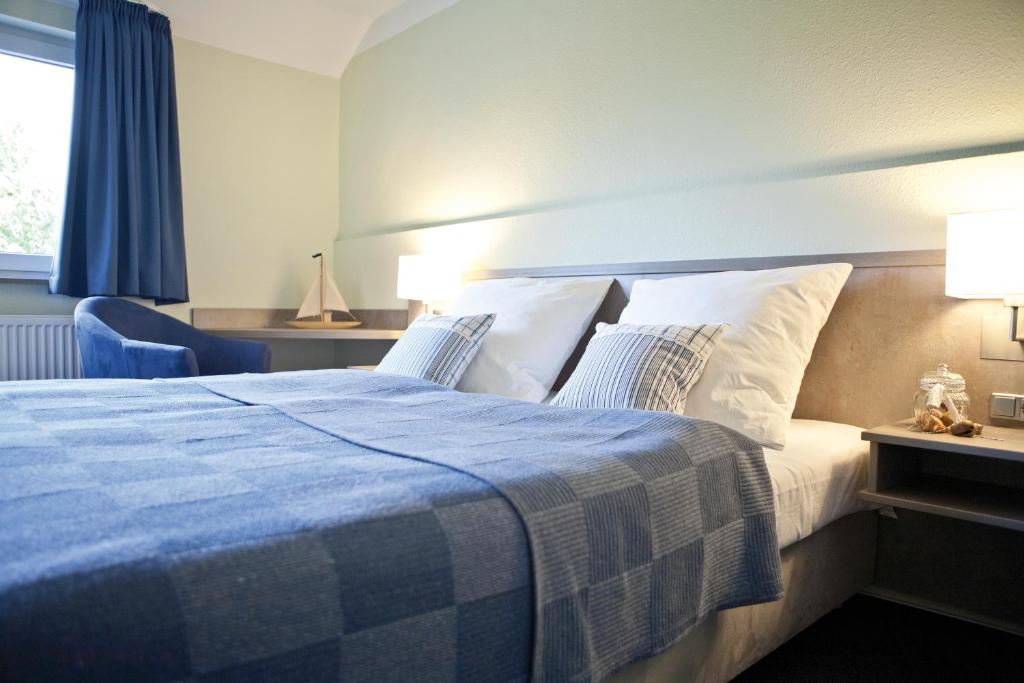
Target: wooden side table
x,y
952,544
979,479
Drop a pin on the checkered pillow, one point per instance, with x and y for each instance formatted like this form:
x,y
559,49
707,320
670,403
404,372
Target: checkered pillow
x,y
437,348
645,367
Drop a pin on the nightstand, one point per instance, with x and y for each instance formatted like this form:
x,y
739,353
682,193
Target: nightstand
x,y
979,479
952,543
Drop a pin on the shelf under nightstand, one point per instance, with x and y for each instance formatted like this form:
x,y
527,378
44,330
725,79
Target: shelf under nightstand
x,y
975,479
953,545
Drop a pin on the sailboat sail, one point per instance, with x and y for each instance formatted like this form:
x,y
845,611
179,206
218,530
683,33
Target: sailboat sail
x,y
333,301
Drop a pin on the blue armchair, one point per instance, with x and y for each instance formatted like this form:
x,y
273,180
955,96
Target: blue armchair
x,y
118,338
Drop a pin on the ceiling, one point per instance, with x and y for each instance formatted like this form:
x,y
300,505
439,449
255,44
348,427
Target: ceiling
x,y
320,36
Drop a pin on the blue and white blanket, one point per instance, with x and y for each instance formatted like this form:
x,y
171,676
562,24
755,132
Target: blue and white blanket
x,y
349,526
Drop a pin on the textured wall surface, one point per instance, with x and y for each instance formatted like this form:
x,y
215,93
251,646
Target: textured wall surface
x,y
541,132
259,156
537,132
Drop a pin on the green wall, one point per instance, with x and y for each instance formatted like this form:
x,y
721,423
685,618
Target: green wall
x,y
31,298
542,132
259,154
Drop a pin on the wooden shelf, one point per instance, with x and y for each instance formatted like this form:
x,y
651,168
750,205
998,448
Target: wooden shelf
x,y
960,513
354,334
995,442
975,479
962,499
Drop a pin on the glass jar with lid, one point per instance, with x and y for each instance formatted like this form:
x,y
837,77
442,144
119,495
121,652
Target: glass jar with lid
x,y
943,390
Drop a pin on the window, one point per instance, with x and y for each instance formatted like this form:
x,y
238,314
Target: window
x,y
35,128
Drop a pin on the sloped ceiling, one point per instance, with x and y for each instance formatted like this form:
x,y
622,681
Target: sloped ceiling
x,y
320,36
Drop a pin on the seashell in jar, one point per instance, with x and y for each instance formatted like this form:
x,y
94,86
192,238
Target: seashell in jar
x,y
927,422
966,428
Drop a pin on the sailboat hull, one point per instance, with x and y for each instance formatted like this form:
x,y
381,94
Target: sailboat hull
x,y
321,325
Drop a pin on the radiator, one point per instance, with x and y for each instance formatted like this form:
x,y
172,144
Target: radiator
x,y
38,347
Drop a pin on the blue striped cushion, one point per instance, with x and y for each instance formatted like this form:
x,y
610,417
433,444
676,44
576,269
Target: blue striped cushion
x,y
645,367
437,348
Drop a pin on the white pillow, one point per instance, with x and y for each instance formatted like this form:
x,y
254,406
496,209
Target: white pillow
x,y
751,382
538,324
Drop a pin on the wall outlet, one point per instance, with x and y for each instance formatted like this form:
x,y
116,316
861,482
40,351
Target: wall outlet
x,y
1007,407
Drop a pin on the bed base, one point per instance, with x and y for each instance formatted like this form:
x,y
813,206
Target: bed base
x,y
819,573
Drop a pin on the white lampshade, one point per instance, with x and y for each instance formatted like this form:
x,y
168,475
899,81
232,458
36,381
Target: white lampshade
x,y
426,278
984,254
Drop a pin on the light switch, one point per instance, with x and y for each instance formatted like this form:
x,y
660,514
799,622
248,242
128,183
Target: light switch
x,y
1006,406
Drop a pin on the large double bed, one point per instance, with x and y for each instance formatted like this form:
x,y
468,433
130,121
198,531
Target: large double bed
x,y
345,525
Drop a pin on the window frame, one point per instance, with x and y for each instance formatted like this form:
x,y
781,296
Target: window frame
x,y
52,45
25,266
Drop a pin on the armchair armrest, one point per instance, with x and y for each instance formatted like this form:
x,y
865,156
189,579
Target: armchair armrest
x,y
220,356
147,360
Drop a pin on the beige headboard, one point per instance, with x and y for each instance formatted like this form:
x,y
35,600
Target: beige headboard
x,y
891,322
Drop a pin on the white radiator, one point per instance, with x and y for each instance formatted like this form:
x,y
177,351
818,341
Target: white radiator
x,y
38,347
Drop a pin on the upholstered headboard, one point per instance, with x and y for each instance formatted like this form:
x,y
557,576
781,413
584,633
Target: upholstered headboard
x,y
891,322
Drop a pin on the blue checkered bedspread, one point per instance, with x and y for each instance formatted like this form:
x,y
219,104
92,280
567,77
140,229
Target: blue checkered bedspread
x,y
351,526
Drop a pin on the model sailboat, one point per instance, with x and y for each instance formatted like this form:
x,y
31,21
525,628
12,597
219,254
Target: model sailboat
x,y
323,298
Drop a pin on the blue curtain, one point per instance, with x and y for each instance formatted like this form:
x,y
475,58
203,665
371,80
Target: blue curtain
x,y
123,232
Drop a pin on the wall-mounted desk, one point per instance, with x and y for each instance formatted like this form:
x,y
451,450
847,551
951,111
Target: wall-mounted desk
x,y
293,348
356,333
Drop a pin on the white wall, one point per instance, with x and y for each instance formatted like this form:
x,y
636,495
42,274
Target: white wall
x,y
540,132
259,155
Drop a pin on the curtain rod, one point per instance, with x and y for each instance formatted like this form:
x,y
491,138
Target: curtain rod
x,y
73,4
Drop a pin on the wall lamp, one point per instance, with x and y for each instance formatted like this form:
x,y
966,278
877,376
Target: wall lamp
x,y
984,254
428,279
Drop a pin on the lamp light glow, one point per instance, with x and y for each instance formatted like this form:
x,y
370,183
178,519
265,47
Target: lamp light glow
x,y
984,254
426,278
983,260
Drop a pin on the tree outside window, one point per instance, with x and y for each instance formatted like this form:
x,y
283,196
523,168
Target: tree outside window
x,y
35,122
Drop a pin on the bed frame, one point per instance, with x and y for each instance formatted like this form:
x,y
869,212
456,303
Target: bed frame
x,y
891,322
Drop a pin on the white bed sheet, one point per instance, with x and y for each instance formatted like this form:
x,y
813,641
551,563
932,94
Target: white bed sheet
x,y
817,477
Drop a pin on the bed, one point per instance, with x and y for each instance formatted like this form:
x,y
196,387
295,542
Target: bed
x,y
347,525
203,623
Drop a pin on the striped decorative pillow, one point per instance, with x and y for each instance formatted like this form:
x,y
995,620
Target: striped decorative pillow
x,y
645,367
437,348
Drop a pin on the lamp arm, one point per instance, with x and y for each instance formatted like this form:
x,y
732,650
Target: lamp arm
x,y
1016,333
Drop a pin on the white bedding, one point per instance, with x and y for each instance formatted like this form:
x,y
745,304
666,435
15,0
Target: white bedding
x,y
817,477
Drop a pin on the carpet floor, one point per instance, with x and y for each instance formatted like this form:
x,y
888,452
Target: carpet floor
x,y
872,640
